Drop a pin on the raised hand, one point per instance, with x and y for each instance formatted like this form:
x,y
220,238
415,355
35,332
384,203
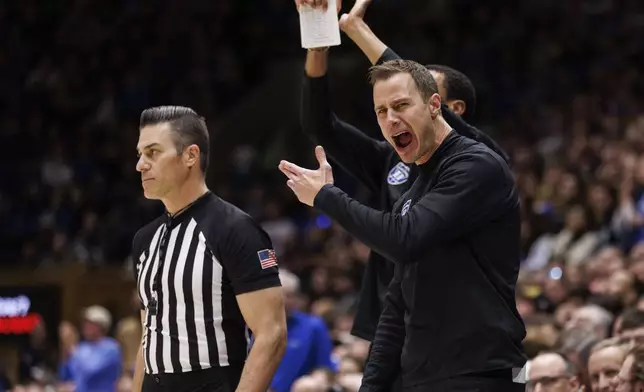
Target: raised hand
x,y
348,21
323,4
306,183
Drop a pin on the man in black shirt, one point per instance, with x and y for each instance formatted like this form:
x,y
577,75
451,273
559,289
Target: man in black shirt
x,y
387,178
205,271
450,321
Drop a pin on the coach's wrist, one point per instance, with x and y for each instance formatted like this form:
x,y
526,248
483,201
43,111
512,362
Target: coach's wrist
x,y
318,50
316,64
322,195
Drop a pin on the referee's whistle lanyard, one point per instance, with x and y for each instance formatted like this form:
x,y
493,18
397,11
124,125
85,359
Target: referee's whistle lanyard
x,y
156,283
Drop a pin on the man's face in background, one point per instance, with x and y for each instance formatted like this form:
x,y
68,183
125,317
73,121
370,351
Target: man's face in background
x,y
455,105
603,367
548,372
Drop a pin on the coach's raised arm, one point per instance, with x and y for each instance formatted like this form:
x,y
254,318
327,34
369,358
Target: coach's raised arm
x,y
362,157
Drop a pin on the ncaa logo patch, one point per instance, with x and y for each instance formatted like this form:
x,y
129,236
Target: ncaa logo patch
x,y
399,174
405,207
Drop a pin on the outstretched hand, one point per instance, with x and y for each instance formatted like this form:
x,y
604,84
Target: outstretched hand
x,y
306,183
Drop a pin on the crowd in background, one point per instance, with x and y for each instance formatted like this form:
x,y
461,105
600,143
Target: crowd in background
x,y
559,87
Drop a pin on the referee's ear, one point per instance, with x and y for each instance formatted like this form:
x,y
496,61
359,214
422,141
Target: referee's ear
x,y
191,155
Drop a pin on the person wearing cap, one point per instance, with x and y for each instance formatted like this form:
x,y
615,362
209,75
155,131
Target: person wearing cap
x,y
95,364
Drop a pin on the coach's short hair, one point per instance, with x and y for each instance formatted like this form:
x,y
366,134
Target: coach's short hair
x,y
457,86
424,80
188,128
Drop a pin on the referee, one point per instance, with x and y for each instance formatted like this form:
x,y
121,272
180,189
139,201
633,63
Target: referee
x,y
206,273
450,321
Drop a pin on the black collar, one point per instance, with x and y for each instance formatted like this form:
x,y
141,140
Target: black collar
x,y
429,166
172,219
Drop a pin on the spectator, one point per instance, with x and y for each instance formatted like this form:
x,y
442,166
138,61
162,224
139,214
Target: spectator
x,y
37,359
593,317
309,344
96,362
552,372
631,329
575,344
76,77
631,375
604,364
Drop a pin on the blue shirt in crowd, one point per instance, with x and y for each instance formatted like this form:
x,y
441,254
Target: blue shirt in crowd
x,y
309,347
93,366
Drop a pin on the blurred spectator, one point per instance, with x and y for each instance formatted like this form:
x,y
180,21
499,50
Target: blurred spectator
x,y
129,335
552,372
560,87
631,375
594,318
309,344
576,344
604,364
37,360
96,363
631,328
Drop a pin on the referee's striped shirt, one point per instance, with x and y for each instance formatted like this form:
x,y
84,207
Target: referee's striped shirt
x,y
188,270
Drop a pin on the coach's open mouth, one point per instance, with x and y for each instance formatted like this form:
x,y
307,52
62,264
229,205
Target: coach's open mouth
x,y
402,139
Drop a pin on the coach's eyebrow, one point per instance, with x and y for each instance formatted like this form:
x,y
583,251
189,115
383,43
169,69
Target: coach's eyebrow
x,y
398,101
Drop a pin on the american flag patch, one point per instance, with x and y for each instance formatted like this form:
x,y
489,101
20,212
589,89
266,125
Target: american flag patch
x,y
267,258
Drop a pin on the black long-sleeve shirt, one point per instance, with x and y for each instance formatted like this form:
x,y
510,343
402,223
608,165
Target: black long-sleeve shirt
x,y
381,171
450,309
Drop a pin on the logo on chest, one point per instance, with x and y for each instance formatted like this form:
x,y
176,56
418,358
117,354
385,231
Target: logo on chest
x,y
405,207
398,175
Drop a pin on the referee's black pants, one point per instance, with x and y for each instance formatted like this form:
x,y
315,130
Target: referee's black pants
x,y
216,379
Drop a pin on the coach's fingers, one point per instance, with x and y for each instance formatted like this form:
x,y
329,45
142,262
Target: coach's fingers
x,y
321,157
288,174
360,8
290,170
291,184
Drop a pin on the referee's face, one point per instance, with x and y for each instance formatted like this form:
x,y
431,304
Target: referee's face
x,y
161,166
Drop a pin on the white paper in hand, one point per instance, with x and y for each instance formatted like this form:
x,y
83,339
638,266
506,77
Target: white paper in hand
x,y
319,28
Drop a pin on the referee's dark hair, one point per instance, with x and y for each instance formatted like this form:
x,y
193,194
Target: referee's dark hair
x,y
188,127
457,86
424,80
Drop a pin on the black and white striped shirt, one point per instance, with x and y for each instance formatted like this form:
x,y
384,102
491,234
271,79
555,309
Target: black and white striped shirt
x,y
189,269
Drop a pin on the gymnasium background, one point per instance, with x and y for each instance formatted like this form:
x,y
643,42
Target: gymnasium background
x,y
559,86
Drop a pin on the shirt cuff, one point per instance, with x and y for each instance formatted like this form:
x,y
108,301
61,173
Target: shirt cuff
x,y
325,196
316,81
